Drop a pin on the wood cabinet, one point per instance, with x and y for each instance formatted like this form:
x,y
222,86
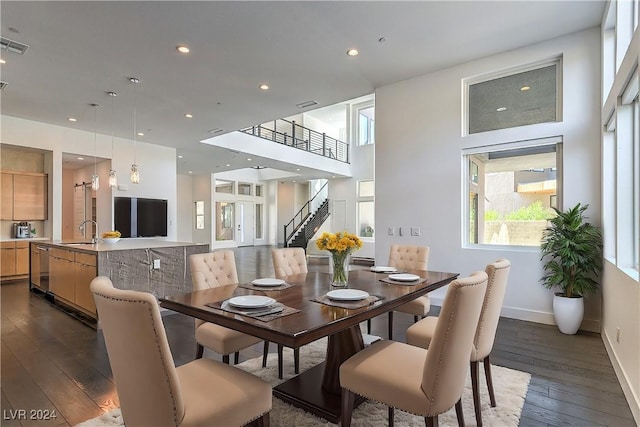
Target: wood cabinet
x,y
6,209
24,196
14,259
70,274
7,259
22,258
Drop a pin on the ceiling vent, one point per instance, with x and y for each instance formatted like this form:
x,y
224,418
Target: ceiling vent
x,y
3,85
306,104
214,131
13,46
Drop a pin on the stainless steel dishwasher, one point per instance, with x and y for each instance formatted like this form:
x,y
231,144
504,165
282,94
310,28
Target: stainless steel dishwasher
x,y
40,278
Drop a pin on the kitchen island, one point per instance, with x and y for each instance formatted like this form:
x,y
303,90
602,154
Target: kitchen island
x,y
63,270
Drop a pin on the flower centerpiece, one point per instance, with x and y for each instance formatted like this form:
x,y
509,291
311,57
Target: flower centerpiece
x,y
341,245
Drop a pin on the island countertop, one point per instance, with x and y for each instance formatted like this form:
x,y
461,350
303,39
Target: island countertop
x,y
121,245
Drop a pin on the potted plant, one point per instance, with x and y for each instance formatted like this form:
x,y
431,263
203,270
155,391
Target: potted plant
x,y
573,252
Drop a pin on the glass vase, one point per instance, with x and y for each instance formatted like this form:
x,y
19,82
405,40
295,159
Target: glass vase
x,y
340,269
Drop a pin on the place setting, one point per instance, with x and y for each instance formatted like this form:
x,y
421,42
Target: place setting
x,y
259,307
347,298
266,284
406,279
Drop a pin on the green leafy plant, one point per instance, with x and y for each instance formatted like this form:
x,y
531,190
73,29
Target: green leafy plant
x,y
492,215
573,252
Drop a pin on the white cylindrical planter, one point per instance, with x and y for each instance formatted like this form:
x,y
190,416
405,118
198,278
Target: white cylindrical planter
x,y
568,313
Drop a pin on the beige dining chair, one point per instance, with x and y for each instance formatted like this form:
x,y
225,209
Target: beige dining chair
x,y
421,333
209,270
151,390
415,380
287,262
408,257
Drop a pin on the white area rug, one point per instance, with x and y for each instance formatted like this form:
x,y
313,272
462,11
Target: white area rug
x,y
510,388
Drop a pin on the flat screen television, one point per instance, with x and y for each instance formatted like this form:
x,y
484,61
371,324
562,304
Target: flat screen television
x,y
138,217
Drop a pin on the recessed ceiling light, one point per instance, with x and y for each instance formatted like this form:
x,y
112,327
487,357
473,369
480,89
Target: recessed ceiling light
x,y
182,49
524,88
227,165
499,109
140,133
72,119
2,61
179,157
298,170
189,116
190,171
353,52
293,180
249,159
80,158
264,86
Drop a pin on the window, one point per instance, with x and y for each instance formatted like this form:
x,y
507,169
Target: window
x,y
224,186
511,188
365,208
224,220
259,190
259,221
244,188
364,121
200,215
516,99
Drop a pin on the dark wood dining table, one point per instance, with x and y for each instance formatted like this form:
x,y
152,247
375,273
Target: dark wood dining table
x,y
316,390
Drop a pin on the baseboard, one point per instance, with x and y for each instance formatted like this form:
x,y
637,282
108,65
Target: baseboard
x,y
632,399
545,318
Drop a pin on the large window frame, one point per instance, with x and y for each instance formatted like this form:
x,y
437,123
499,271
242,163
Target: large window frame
x,y
474,184
365,197
363,122
505,76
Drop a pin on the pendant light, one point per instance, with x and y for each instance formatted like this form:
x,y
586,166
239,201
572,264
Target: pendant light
x,y
113,177
95,179
135,174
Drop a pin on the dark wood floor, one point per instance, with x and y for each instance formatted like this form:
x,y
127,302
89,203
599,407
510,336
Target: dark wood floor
x,y
53,363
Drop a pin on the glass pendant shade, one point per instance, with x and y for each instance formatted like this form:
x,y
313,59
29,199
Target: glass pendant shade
x,y
135,175
95,182
113,179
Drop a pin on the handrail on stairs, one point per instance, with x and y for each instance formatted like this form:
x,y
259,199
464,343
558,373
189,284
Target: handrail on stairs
x,y
303,215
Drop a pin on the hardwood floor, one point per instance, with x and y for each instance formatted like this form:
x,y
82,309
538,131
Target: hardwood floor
x,y
53,364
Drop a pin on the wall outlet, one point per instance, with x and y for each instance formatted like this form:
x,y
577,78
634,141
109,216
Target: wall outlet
x,y
390,231
618,334
156,264
415,231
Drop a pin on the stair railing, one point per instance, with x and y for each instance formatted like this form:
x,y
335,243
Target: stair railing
x,y
292,227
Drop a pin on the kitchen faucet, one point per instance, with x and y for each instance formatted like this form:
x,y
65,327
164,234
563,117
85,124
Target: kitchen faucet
x,y
81,227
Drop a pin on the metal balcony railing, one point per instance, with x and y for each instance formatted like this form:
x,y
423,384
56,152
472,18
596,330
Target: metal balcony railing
x,y
293,135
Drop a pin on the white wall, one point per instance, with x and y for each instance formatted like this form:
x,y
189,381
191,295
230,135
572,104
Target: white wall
x,y
419,164
186,222
157,165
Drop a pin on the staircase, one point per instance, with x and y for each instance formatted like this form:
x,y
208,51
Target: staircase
x,y
309,218
306,232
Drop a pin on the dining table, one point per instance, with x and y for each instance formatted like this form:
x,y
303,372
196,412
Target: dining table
x,y
309,314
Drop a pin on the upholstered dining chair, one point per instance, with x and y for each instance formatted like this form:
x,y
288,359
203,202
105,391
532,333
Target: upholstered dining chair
x,y
286,262
408,257
422,333
209,270
152,391
412,379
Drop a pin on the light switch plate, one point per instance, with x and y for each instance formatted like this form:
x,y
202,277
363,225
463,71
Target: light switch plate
x,y
415,231
390,231
399,231
156,264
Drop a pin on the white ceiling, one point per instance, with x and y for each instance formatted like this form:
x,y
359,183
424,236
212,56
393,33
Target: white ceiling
x,y
78,51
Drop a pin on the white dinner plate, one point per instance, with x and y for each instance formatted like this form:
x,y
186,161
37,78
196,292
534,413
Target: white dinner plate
x,y
383,269
251,301
347,294
268,282
404,277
